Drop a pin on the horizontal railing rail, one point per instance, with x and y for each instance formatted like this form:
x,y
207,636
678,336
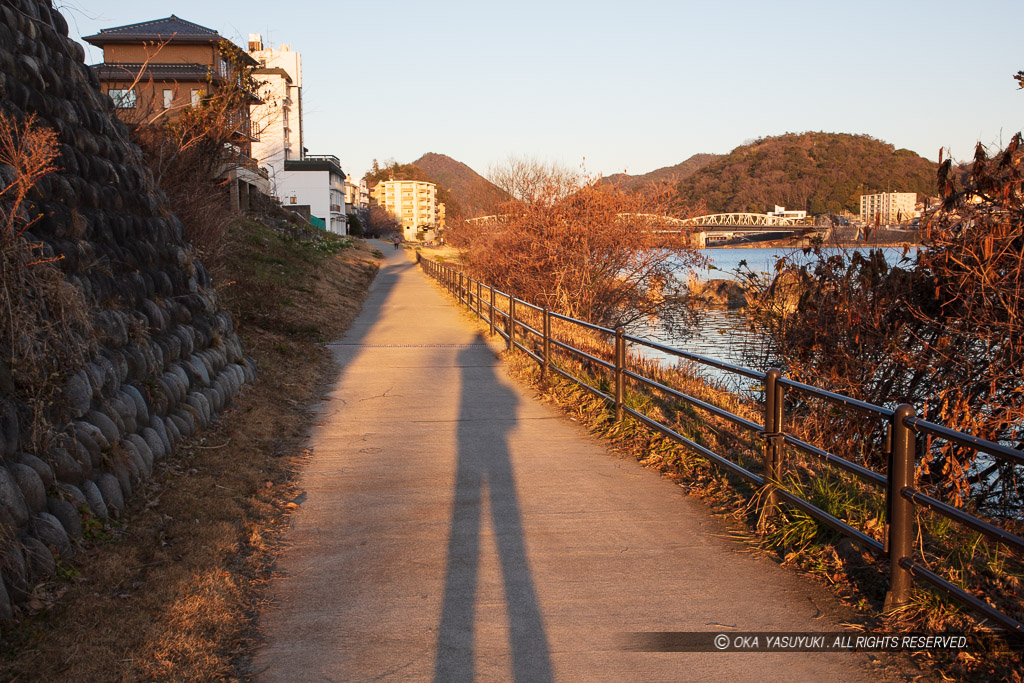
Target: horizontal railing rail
x,y
902,428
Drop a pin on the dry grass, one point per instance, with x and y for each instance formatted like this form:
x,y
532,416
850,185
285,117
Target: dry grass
x,y
172,590
791,538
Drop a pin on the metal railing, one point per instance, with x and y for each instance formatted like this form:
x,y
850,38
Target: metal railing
x,y
903,428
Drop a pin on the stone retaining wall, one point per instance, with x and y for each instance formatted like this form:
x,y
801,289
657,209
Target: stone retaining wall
x,y
167,360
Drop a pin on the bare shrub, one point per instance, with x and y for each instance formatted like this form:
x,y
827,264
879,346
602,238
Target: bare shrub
x,y
381,223
941,330
584,249
45,331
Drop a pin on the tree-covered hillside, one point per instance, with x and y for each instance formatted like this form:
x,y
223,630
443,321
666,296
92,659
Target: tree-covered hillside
x,y
392,170
816,172
475,194
656,179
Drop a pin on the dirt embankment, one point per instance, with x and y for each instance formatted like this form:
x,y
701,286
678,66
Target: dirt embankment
x,y
170,590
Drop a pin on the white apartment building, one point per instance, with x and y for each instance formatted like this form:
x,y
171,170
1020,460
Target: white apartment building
x,y
279,117
413,202
887,208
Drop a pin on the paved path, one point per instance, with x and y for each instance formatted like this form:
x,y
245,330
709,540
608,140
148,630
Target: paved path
x,y
453,528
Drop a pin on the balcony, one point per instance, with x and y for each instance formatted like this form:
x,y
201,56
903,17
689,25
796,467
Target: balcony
x,y
324,157
244,131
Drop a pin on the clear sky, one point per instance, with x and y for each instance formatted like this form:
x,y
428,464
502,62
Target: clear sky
x,y
629,85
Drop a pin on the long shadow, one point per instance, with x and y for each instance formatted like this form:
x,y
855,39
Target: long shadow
x,y
380,292
487,413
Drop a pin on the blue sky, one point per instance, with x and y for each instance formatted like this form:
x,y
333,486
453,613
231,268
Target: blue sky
x,y
619,86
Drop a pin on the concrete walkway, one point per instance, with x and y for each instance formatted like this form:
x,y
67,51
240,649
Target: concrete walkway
x,y
452,528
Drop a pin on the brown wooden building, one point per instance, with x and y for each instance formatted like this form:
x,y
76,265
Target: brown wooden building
x,y
155,70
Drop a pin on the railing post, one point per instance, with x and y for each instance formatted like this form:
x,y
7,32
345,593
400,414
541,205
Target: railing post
x,y
510,322
773,440
462,288
479,299
620,368
545,368
901,513
491,310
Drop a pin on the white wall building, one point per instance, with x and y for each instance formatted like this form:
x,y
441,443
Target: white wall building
x,y
888,208
296,178
279,118
780,212
317,181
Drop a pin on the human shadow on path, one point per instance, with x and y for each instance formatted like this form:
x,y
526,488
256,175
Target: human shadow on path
x,y
485,418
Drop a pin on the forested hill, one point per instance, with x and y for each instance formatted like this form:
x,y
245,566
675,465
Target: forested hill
x,y
816,172
667,176
475,194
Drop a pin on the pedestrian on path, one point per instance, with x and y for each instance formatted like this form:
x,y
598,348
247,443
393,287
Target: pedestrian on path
x,y
397,240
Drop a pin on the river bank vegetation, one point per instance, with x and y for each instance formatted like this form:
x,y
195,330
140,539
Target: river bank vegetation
x,y
794,538
939,328
588,250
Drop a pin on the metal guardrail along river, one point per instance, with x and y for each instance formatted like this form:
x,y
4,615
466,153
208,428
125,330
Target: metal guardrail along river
x,y
904,428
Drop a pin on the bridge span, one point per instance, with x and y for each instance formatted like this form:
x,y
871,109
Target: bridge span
x,y
714,220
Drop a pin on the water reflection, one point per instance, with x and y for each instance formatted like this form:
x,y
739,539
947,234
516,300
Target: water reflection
x,y
724,334
721,334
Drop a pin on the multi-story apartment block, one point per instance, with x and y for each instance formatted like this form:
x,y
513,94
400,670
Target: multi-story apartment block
x,y
413,202
887,208
155,70
279,115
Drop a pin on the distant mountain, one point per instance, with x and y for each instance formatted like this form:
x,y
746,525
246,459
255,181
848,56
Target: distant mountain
x,y
669,176
392,170
475,194
816,172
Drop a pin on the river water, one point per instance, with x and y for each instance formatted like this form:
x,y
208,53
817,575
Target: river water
x,y
721,333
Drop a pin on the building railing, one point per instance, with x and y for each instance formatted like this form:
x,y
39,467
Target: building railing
x,y
904,428
323,157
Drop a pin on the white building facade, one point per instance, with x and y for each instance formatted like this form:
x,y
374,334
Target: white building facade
x,y
279,117
318,182
296,179
887,208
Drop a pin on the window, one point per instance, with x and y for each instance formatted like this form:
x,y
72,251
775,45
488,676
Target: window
x,y
123,99
168,98
196,95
